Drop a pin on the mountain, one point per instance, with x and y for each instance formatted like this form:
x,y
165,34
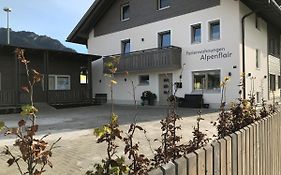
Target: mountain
x,y
32,40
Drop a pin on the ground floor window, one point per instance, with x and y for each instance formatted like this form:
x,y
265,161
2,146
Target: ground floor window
x,y
0,81
272,82
206,80
144,80
59,82
258,97
84,76
279,82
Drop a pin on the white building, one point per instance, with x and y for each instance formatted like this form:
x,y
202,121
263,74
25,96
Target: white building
x,y
202,40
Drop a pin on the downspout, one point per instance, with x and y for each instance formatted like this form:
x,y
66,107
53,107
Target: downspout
x,y
243,53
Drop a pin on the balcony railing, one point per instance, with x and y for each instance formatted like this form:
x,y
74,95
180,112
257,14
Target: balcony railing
x,y
168,58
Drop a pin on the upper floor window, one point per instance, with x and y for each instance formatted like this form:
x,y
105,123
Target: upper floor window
x,y
164,39
126,46
272,82
125,9
214,30
257,22
196,33
257,58
163,4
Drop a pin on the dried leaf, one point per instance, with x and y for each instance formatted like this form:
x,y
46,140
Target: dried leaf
x,y
25,88
11,162
21,123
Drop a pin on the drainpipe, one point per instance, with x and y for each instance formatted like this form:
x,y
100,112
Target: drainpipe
x,y
243,52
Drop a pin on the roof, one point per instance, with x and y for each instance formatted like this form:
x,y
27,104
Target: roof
x,y
80,33
268,9
67,54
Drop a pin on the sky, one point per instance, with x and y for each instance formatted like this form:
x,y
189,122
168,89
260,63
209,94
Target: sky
x,y
54,18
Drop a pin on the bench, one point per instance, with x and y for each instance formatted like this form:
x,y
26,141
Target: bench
x,y
100,99
192,101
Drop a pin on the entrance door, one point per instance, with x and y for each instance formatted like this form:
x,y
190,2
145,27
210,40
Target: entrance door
x,y
165,87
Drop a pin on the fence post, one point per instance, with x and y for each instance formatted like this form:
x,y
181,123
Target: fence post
x,y
223,157
181,166
191,164
234,153
247,142
239,153
209,159
228,155
169,169
216,157
201,167
243,150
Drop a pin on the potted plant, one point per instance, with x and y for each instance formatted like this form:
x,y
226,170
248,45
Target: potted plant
x,y
148,98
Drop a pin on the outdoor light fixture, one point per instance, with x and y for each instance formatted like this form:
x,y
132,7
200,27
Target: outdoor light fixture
x,y
8,10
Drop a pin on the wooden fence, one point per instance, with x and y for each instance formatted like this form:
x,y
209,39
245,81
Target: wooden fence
x,y
254,150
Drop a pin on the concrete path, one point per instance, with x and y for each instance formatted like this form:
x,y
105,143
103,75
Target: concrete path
x,y
78,149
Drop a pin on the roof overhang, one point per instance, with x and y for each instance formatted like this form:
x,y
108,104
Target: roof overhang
x,y
270,10
81,32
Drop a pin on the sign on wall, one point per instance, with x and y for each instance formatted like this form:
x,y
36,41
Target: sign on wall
x,y
211,54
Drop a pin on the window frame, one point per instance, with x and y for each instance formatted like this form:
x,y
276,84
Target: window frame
x,y
82,69
122,17
205,81
56,82
258,60
0,81
210,23
160,38
144,83
123,46
192,33
162,8
274,82
279,81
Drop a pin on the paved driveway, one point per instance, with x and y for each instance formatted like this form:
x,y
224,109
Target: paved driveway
x,y
79,149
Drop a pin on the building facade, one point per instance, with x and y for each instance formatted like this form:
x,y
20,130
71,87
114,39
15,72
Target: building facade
x,y
192,43
65,76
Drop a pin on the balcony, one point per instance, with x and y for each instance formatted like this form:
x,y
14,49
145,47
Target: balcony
x,y
158,59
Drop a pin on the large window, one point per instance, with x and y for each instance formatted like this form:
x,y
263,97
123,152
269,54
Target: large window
x,y
163,4
206,80
59,82
144,80
126,46
272,82
214,30
196,33
125,10
164,39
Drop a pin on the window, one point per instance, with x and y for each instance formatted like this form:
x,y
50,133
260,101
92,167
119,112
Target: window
x,y
196,33
279,82
126,46
257,22
214,28
163,4
258,97
0,81
272,82
144,80
257,59
125,9
164,39
59,82
206,80
84,76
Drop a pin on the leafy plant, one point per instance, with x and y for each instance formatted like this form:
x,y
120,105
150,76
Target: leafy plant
x,y
140,162
199,139
170,148
35,153
113,164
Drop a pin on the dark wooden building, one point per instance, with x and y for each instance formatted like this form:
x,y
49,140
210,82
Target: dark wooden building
x,y
66,76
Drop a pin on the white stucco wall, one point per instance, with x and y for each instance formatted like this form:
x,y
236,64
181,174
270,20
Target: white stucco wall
x,y
255,39
229,13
